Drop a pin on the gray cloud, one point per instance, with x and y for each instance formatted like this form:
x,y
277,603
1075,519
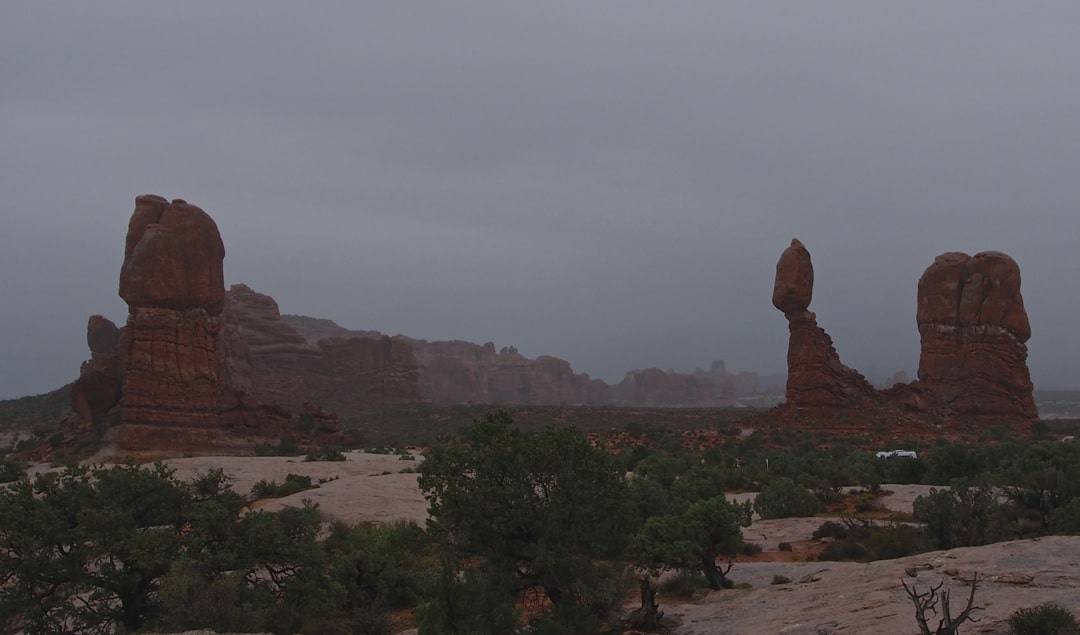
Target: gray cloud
x,y
607,182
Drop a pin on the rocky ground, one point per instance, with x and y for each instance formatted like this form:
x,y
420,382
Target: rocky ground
x,y
844,597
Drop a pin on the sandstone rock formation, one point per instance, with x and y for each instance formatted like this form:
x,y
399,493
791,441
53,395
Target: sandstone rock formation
x,y
973,328
276,363
170,381
96,393
173,283
655,387
816,376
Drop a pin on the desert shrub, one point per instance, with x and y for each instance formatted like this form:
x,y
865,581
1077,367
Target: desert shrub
x,y
750,549
272,489
966,515
1066,519
844,550
830,529
1045,619
780,579
470,602
693,538
783,498
285,447
326,453
684,584
495,480
784,546
863,541
11,469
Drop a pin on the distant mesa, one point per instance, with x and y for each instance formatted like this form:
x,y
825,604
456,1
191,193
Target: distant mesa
x,y
973,328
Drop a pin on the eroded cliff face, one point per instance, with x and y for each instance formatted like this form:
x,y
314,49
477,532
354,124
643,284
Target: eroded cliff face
x,y
345,373
973,328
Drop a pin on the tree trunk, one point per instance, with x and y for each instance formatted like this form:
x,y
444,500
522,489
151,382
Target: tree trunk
x,y
650,610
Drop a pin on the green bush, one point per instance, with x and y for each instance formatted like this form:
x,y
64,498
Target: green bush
x,y
783,498
750,549
863,541
11,469
272,489
1066,519
285,447
1045,619
966,515
325,453
684,584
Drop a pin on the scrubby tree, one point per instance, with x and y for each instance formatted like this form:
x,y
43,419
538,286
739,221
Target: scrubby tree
x,y
783,498
540,509
694,539
968,514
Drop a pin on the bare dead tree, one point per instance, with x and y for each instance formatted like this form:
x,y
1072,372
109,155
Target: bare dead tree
x,y
930,601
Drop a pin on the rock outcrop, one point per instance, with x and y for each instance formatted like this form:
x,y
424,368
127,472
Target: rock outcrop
x,y
656,387
171,381
96,393
973,327
346,373
816,376
173,283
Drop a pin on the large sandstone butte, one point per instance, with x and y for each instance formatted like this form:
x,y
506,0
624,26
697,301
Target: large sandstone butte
x,y
173,284
162,383
973,327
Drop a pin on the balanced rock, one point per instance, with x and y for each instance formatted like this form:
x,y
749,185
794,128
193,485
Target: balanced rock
x,y
794,286
816,376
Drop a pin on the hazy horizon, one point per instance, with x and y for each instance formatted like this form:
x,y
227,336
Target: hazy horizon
x,y
610,183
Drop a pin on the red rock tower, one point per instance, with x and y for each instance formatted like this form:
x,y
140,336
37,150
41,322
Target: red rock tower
x,y
973,328
173,284
816,377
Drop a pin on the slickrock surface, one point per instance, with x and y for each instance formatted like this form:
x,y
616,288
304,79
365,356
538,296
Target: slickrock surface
x,y
844,597
366,487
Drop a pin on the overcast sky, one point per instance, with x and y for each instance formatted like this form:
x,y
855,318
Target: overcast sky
x,y
609,182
